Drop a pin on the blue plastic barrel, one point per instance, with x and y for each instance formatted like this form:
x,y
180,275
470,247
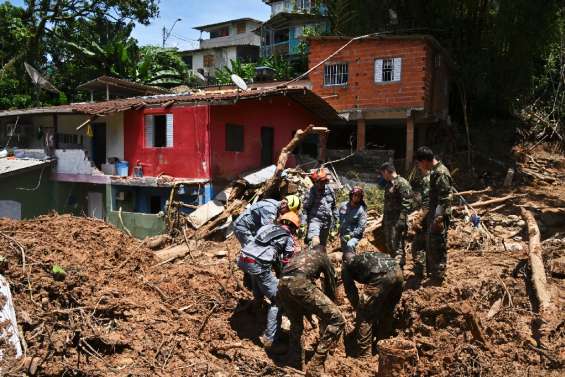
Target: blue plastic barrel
x,y
122,168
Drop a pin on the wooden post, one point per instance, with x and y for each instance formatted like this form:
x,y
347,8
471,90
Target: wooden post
x,y
409,142
360,135
322,146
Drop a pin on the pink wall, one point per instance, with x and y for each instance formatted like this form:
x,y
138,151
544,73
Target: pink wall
x,y
188,158
281,113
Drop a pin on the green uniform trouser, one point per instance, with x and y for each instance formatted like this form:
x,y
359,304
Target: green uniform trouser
x,y
298,297
375,309
419,251
394,238
436,250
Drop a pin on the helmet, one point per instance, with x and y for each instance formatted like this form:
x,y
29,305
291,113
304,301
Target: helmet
x,y
320,175
290,217
293,202
356,190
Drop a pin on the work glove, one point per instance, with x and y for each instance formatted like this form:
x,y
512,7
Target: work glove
x,y
347,237
401,223
438,225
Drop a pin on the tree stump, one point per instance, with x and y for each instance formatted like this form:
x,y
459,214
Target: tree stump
x,y
397,357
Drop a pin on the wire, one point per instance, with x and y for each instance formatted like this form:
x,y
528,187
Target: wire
x,y
38,182
334,54
12,133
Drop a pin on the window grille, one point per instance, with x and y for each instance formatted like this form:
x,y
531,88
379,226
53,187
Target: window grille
x,y
336,74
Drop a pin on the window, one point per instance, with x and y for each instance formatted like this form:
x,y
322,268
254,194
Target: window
x,y
158,131
303,5
388,70
222,32
188,60
241,28
234,138
336,74
208,60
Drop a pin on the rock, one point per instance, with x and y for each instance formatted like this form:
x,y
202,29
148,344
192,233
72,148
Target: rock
x,y
557,267
221,253
514,247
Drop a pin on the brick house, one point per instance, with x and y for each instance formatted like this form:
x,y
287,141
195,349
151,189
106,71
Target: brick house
x,y
388,88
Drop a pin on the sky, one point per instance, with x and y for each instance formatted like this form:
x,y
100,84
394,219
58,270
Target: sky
x,y
192,13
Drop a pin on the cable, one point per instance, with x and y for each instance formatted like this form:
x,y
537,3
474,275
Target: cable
x,y
38,182
12,133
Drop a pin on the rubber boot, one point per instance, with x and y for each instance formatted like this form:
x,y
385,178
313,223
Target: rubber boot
x,y
316,366
295,357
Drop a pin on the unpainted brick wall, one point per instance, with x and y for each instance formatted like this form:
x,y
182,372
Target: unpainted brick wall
x,y
413,90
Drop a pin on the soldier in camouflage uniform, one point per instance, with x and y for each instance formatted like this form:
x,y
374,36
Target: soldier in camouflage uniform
x,y
421,185
382,279
397,207
438,213
299,295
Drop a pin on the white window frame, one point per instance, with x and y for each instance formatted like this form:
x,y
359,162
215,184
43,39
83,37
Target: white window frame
x,y
149,130
388,70
336,74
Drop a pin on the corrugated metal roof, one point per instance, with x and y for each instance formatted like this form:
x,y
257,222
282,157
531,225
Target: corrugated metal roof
x,y
301,95
11,166
130,87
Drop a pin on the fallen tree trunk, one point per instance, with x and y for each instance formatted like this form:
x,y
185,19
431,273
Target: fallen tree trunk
x,y
539,280
299,136
489,202
473,192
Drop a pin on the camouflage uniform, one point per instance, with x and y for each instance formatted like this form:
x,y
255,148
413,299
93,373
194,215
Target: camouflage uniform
x,y
421,185
273,244
441,185
352,222
319,212
259,214
382,279
397,207
299,296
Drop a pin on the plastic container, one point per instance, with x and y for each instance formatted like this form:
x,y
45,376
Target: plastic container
x,y
122,168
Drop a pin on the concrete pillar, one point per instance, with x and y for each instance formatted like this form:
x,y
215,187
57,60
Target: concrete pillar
x,y
107,92
409,143
360,135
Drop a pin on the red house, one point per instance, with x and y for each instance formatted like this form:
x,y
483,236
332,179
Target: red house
x,y
389,87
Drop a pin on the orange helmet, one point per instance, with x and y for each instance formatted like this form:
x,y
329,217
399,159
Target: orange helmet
x,y
320,175
290,217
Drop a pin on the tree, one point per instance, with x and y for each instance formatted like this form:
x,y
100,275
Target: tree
x,y
161,66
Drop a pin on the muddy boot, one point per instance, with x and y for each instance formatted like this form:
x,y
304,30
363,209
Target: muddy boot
x,y
295,356
316,366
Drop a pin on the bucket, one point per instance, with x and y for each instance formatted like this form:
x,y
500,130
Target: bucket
x,y
122,168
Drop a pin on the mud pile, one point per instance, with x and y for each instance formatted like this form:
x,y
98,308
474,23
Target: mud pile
x,y
118,311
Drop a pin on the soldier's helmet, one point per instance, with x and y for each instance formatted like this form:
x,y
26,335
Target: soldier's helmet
x,y
290,218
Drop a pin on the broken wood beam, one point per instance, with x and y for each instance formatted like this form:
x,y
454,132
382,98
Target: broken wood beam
x,y
539,280
235,207
299,136
474,192
489,202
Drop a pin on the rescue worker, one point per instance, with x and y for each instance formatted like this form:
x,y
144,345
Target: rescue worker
x,y
382,278
260,214
273,244
438,212
421,184
320,210
299,296
397,207
352,220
